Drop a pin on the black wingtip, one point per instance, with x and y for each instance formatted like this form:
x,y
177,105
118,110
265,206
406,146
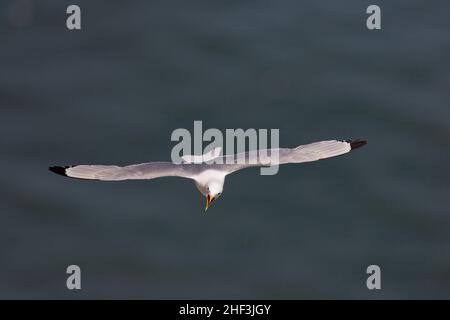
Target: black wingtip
x,y
59,170
355,144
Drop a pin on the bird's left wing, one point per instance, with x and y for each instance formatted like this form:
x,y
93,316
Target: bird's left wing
x,y
144,171
304,153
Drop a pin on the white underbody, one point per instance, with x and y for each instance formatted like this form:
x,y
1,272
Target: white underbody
x,y
208,178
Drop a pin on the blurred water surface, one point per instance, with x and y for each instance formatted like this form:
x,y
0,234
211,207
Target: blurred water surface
x,y
113,92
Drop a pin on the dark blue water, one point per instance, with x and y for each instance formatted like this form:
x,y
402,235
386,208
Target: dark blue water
x,y
113,93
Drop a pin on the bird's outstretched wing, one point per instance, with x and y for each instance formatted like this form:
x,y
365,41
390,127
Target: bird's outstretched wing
x,y
304,153
144,171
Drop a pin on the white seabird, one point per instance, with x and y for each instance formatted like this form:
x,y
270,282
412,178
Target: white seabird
x,y
209,178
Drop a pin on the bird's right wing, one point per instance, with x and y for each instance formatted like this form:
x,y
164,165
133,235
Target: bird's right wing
x,y
144,171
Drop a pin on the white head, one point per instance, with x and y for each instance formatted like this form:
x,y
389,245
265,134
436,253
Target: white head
x,y
214,189
211,189
210,184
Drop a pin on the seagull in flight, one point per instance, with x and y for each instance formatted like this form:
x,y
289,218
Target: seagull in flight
x,y
209,177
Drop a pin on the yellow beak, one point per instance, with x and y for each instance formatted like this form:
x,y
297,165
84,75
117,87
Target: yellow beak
x,y
209,200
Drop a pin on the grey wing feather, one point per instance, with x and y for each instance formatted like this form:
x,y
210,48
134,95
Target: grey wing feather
x,y
304,153
144,171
